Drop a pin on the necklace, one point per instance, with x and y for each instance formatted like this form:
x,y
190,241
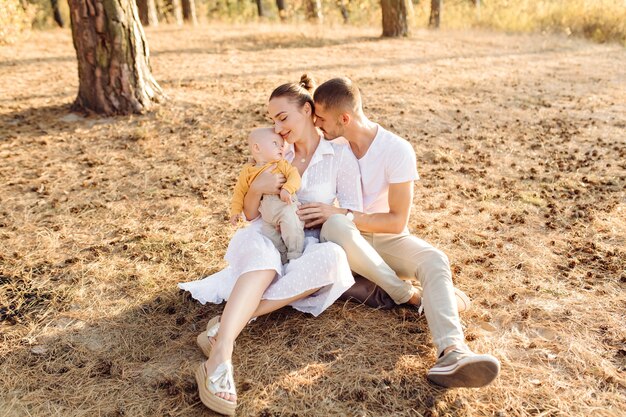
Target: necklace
x,y
303,160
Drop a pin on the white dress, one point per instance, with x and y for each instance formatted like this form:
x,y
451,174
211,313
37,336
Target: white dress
x,y
333,173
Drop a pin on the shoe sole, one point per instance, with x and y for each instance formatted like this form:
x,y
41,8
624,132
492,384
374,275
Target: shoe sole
x,y
462,300
474,372
211,400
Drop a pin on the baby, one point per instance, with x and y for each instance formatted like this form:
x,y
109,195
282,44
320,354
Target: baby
x,y
276,210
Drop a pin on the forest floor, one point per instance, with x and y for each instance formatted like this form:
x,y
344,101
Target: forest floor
x,y
521,148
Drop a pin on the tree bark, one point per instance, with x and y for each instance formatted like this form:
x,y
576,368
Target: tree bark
x,y
259,8
396,15
343,8
436,7
56,13
177,11
282,9
148,12
113,58
189,11
314,11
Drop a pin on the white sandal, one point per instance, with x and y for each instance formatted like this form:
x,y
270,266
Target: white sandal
x,y
220,381
204,339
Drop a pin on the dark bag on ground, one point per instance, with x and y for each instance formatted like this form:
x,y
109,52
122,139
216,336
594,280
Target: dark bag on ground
x,y
366,292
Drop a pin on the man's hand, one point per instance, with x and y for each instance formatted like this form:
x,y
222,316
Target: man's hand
x,y
268,183
285,196
315,214
235,219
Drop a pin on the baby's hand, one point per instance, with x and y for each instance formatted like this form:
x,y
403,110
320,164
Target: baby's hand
x,y
234,219
285,196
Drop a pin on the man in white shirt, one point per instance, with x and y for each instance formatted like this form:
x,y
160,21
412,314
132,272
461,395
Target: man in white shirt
x,y
377,242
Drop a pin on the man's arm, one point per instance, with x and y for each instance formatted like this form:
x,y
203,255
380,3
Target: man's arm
x,y
400,198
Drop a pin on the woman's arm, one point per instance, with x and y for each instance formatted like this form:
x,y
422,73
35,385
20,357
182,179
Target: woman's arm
x,y
265,183
348,191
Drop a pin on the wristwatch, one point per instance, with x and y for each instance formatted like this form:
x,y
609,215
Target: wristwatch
x,y
350,215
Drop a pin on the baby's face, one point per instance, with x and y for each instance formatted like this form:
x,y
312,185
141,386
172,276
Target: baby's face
x,y
270,147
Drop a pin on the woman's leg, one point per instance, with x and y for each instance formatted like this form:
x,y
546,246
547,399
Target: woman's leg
x,y
268,306
241,305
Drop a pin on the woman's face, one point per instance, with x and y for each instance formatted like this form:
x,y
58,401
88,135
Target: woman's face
x,y
290,121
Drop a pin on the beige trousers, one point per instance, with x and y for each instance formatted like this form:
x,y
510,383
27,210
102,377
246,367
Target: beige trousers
x,y
385,258
290,240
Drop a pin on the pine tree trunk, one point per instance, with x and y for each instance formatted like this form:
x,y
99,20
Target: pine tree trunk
x,y
113,58
56,12
436,7
282,9
396,15
148,12
189,11
259,8
343,8
177,11
314,10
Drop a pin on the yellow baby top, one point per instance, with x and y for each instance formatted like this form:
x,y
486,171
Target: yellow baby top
x,y
250,172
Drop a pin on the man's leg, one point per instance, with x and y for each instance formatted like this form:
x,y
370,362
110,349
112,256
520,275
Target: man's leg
x,y
413,257
363,258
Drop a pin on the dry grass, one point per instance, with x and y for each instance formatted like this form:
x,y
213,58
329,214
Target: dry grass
x,y
598,20
521,149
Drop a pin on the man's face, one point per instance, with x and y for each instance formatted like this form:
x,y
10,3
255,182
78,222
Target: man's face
x,y
329,122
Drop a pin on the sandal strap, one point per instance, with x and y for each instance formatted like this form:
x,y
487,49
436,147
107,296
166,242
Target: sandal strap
x,y
212,332
222,379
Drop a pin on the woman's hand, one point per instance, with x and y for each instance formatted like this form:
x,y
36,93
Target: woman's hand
x,y
315,214
267,182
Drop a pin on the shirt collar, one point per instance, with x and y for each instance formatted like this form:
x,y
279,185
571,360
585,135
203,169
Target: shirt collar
x,y
324,148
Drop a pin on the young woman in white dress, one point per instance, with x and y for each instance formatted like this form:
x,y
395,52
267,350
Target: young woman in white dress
x,y
255,282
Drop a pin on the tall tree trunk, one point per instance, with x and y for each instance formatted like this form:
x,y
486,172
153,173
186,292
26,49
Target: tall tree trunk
x,y
177,11
148,12
189,11
314,10
436,7
113,58
396,15
259,8
343,8
282,9
56,12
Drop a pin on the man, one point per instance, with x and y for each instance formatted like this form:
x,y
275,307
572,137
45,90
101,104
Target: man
x,y
377,241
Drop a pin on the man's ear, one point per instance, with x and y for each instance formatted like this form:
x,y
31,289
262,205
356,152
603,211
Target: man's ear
x,y
256,147
307,108
345,118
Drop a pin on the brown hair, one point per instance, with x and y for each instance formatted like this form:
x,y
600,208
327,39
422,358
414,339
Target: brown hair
x,y
299,93
339,93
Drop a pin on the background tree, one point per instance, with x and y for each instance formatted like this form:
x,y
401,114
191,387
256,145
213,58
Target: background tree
x,y
148,12
314,10
56,13
282,9
435,13
259,8
177,11
343,8
113,58
396,14
189,11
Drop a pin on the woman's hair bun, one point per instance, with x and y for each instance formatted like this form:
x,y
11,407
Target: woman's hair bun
x,y
307,83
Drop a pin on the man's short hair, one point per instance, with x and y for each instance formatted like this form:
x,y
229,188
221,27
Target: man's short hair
x,y
338,93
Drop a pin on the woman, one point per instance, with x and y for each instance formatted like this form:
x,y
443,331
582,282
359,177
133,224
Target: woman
x,y
255,283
